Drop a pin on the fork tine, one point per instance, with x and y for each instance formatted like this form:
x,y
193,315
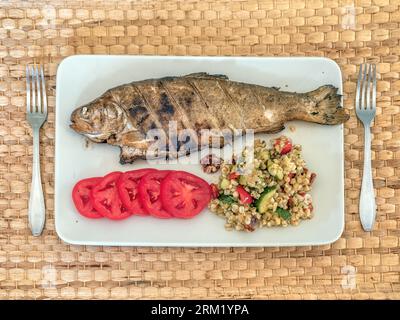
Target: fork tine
x,y
28,91
374,89
33,90
368,107
39,100
364,86
358,90
44,95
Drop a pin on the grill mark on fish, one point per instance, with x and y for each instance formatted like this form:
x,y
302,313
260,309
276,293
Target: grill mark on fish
x,y
138,115
183,115
160,103
178,107
197,91
233,102
220,121
137,106
166,106
193,107
254,92
155,123
227,114
139,112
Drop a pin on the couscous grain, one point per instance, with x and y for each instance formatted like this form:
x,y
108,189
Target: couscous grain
x,y
273,193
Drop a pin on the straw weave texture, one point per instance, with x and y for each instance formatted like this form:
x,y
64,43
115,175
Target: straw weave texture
x,y
359,265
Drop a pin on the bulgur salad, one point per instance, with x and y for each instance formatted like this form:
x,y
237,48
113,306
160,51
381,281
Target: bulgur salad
x,y
274,192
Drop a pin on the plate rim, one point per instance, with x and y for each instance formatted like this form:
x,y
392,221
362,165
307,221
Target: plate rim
x,y
66,239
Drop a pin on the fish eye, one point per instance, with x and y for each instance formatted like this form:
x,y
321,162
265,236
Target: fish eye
x,y
85,112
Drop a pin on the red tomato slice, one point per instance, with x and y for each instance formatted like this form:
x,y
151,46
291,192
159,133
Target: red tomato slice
x,y
149,193
184,195
81,197
106,200
127,186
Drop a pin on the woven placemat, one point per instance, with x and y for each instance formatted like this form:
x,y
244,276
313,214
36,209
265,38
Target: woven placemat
x,y
359,265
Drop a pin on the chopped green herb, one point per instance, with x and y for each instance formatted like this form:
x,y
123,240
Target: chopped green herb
x,y
284,214
226,199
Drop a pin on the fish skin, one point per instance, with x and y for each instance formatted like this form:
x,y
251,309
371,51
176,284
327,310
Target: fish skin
x,y
124,115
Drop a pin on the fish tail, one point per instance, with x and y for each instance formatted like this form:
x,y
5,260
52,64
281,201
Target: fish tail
x,y
326,108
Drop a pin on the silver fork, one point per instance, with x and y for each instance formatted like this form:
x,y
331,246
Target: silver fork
x,y
36,114
365,110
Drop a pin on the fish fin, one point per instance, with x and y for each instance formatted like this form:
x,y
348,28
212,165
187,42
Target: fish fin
x,y
131,138
130,154
276,129
205,75
271,129
327,108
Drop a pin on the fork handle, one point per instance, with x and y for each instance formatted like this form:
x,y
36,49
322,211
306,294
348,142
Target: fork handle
x,y
36,210
367,197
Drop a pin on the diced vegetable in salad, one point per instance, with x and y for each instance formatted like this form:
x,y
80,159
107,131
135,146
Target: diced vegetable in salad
x,y
275,192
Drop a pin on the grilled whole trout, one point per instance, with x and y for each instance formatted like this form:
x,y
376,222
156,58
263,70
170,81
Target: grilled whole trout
x,y
124,115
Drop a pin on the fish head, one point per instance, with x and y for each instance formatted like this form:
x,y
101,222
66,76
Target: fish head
x,y
100,120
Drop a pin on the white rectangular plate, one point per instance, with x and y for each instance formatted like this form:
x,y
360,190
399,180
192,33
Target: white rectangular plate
x,y
83,78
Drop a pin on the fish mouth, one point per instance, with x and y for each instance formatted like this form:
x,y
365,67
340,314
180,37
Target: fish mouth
x,y
75,127
74,124
79,125
93,136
